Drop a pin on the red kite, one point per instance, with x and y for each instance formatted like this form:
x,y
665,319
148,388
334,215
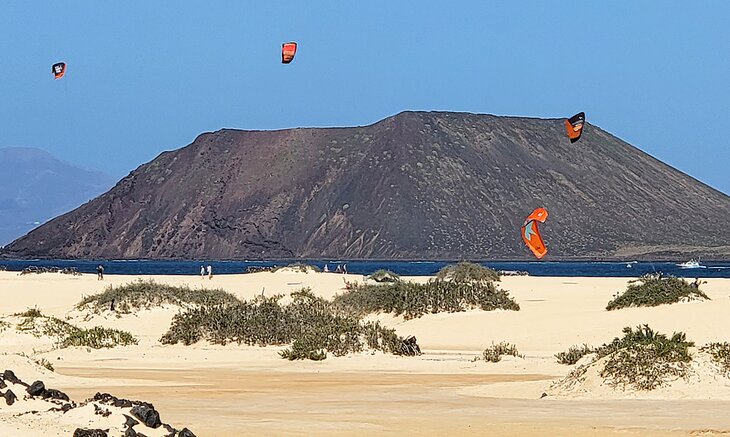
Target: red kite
x,y
574,126
531,233
58,70
288,50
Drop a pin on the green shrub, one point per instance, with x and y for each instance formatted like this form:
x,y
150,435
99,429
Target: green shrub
x,y
98,338
148,294
413,300
574,354
494,353
302,349
720,355
30,312
67,334
384,276
312,325
653,291
298,267
644,359
467,272
45,363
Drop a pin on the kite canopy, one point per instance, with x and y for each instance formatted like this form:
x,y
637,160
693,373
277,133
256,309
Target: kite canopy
x,y
288,50
531,233
574,126
58,70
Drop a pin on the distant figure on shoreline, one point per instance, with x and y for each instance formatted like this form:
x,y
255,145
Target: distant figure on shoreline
x,y
326,268
210,272
100,273
202,272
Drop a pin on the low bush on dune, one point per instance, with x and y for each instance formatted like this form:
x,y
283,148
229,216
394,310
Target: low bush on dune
x,y
312,325
642,359
40,362
297,268
98,338
494,353
656,290
720,353
574,354
467,272
645,360
384,276
148,294
413,300
35,323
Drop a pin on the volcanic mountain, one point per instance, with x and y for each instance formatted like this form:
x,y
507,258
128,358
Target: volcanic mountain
x,y
418,185
35,186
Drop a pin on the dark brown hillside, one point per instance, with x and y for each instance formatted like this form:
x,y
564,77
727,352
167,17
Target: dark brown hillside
x,y
418,185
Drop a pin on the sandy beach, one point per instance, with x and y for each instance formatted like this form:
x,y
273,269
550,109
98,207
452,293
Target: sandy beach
x,y
245,390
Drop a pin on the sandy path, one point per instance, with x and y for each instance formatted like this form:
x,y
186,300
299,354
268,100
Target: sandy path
x,y
229,402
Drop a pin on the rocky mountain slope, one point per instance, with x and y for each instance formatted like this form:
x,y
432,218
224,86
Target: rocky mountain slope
x,y
35,186
418,185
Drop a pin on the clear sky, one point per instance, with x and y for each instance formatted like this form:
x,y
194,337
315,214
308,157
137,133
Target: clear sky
x,y
148,76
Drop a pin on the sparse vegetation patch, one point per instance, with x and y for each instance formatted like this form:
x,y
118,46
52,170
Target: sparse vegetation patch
x,y
384,276
656,290
312,325
467,272
494,353
412,300
574,354
149,294
642,359
720,353
298,268
35,323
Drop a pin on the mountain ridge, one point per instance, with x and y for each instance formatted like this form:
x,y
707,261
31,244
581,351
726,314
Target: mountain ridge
x,y
416,185
36,186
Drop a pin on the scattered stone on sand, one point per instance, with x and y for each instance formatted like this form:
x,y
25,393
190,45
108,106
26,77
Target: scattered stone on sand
x,y
147,415
130,421
186,433
36,389
81,432
115,410
9,397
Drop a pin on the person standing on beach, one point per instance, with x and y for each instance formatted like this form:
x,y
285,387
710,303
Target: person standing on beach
x,y
100,273
210,272
202,272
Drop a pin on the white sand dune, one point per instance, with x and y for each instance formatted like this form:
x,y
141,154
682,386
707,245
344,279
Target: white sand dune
x,y
244,390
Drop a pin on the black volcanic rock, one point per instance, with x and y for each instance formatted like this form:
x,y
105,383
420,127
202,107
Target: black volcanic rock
x,y
9,397
414,186
147,415
36,389
82,432
9,376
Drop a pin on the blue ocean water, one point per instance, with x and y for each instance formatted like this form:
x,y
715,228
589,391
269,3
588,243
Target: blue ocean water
x,y
404,268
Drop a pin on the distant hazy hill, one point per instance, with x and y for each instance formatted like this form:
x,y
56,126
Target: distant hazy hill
x,y
35,187
415,185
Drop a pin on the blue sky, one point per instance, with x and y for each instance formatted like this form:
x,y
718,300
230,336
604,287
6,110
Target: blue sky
x,y
144,77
